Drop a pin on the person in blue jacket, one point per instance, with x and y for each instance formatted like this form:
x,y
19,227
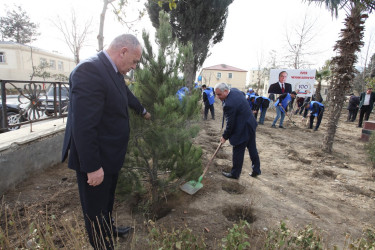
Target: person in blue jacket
x,y
261,103
209,100
240,129
316,110
282,107
181,93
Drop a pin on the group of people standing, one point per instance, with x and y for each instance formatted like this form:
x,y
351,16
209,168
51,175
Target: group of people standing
x,y
363,103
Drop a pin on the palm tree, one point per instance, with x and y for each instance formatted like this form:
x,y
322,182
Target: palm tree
x,y
342,65
323,74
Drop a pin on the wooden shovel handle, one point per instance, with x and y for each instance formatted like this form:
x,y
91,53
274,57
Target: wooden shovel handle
x,y
213,156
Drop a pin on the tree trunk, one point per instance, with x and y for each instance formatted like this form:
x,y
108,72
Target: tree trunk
x,y
318,90
343,69
101,26
189,75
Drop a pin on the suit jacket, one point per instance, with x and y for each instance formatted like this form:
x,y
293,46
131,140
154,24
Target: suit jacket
x,y
97,130
353,103
240,121
275,88
362,99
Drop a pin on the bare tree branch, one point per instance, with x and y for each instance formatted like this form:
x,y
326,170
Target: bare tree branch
x,y
74,36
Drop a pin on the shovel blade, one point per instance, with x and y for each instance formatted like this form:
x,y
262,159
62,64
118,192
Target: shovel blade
x,y
191,187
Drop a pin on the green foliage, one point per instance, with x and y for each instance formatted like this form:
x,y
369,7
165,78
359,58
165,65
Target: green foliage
x,y
128,183
202,23
370,147
60,77
176,239
335,5
17,27
40,71
367,241
161,152
237,237
370,82
307,238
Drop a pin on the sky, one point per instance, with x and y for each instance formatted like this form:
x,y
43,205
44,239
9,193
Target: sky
x,y
254,28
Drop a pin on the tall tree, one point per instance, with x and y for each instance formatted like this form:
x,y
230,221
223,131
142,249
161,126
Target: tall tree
x,y
17,27
162,153
74,33
342,65
200,22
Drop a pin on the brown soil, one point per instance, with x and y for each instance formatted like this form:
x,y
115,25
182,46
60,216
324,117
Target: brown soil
x,y
299,185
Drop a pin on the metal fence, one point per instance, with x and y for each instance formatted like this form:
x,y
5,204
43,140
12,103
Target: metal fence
x,y
27,102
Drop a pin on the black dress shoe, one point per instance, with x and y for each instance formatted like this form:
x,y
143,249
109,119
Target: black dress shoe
x,y
253,174
121,231
229,175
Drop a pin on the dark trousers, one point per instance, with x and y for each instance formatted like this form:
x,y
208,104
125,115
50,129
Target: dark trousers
x,y
97,204
365,111
239,153
319,119
212,110
352,115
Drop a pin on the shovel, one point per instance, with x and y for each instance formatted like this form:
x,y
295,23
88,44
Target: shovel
x,y
288,116
192,187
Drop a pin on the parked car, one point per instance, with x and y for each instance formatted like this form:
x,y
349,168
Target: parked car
x,y
50,104
14,116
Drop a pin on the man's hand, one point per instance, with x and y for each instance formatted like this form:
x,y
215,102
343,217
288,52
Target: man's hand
x,y
222,140
147,116
95,178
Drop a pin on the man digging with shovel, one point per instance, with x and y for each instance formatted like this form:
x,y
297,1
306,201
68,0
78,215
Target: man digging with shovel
x,y
240,129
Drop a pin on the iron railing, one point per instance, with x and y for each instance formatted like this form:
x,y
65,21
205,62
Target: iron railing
x,y
26,102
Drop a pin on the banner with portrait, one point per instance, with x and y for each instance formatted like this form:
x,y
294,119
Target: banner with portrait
x,y
287,80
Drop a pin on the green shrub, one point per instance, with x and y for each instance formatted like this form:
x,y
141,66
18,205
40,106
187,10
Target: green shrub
x,y
307,238
176,239
237,237
367,241
370,146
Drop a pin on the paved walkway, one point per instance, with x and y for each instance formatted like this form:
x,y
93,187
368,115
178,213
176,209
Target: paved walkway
x,y
39,130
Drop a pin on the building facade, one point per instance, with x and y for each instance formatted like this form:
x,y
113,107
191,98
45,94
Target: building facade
x,y
234,77
17,62
258,80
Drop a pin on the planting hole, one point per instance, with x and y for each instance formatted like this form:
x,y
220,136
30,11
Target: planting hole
x,y
236,213
233,188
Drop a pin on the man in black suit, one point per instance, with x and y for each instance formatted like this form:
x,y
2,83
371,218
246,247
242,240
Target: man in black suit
x,y
353,108
240,129
366,104
97,132
281,86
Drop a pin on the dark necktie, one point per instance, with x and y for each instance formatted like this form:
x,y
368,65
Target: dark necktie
x,y
282,88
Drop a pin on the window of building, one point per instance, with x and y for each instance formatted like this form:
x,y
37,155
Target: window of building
x,y
60,65
229,75
52,64
2,57
43,61
218,75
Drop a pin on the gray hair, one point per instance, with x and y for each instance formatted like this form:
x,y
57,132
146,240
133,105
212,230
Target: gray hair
x,y
125,40
222,86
